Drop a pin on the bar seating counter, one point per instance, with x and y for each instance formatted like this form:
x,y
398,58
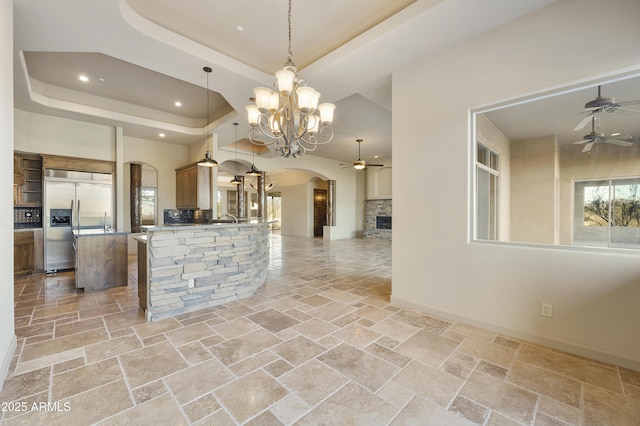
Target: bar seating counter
x,y
187,267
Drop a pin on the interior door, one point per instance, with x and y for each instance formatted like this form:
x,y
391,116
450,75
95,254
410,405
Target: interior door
x,y
319,211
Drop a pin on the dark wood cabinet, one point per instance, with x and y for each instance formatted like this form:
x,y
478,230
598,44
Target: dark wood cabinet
x,y
142,273
23,252
27,180
193,187
101,261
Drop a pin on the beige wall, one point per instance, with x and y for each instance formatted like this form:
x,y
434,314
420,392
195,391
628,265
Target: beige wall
x,y
533,190
379,182
436,267
7,331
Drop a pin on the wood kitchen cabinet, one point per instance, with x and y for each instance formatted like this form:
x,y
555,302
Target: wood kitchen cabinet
x,y
193,187
27,180
23,252
101,259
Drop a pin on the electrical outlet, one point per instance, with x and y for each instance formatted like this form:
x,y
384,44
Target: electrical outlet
x,y
546,310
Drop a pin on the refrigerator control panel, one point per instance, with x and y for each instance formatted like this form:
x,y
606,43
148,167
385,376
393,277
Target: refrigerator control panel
x,y
60,217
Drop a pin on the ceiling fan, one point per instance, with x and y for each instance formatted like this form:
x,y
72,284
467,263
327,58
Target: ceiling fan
x,y
594,137
602,104
361,164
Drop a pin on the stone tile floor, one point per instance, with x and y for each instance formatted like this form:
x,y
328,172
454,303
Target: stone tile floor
x,y
319,343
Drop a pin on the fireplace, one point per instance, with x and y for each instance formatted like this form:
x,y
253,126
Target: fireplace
x,y
377,219
383,222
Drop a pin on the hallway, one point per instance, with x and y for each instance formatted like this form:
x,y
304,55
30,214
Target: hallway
x,y
319,343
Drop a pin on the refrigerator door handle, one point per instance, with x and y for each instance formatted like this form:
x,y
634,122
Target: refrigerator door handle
x,y
78,222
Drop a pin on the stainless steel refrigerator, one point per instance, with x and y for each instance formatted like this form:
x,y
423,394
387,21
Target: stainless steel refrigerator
x,y
73,200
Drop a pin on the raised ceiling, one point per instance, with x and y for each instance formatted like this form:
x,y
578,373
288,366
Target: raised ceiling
x,y
150,53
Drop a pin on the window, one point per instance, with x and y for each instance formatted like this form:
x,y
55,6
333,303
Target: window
x,y
547,170
487,175
607,213
148,206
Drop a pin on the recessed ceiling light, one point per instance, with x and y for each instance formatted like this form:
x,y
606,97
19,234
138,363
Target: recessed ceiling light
x,y
239,28
83,78
162,135
376,156
615,134
101,79
178,103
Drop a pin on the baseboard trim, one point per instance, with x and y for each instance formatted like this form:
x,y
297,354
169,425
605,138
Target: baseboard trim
x,y
6,362
552,343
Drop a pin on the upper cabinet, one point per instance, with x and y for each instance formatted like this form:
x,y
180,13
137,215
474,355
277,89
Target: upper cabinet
x,y
27,180
193,187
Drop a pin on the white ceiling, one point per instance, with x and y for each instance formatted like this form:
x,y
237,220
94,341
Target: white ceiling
x,y
142,55
558,113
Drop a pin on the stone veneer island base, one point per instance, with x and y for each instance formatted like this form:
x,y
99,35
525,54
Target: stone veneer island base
x,y
192,267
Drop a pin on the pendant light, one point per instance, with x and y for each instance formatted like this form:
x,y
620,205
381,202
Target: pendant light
x,y
236,180
253,170
207,161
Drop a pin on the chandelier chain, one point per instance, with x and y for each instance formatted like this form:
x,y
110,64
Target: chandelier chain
x,y
290,57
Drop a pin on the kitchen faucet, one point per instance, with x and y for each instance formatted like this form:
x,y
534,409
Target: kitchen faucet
x,y
230,215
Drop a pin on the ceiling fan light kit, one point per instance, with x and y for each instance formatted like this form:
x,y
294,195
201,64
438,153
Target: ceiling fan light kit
x,y
594,137
289,116
361,164
603,104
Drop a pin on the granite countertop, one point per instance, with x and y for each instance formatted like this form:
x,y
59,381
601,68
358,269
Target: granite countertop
x,y
97,231
141,238
224,223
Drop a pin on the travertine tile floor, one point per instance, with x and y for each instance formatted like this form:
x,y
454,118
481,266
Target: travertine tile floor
x,y
318,344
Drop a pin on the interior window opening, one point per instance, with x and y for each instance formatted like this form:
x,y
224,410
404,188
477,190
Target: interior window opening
x,y
560,169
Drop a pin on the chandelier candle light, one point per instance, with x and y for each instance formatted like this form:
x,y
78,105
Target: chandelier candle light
x,y
289,116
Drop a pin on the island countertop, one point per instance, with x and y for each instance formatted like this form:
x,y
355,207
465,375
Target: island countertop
x,y
194,266
96,231
214,224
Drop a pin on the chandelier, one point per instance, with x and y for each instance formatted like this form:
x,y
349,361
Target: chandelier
x,y
289,115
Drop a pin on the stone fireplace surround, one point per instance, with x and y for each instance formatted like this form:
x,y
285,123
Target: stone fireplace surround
x,y
373,210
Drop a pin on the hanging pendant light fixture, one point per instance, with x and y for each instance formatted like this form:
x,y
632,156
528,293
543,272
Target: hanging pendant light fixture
x,y
290,116
267,187
253,170
207,161
236,180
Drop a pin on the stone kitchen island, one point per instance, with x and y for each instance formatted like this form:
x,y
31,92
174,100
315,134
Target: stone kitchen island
x,y
187,267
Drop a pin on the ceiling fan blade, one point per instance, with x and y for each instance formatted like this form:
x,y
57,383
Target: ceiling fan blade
x,y
375,165
580,142
636,102
618,142
620,137
588,147
584,122
628,110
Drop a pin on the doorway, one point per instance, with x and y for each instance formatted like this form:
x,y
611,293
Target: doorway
x,y
274,209
319,211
